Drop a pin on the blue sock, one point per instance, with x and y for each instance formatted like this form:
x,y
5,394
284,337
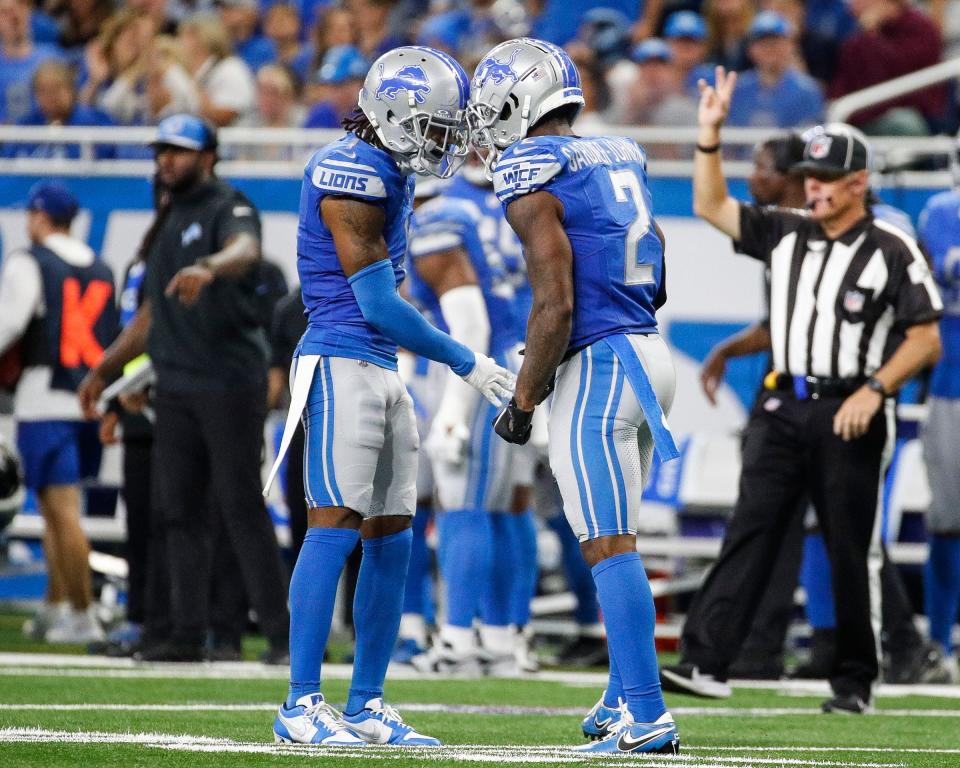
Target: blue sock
x,y
629,616
941,587
815,577
575,568
417,588
525,569
614,693
465,543
496,598
377,606
313,589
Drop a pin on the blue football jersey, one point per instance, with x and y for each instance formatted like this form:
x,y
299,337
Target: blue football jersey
x,y
465,217
351,168
500,237
940,233
618,267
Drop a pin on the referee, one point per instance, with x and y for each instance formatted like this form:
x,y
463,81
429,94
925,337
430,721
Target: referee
x,y
201,323
853,315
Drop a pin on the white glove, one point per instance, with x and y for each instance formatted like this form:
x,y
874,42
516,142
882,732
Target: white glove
x,y
490,380
447,442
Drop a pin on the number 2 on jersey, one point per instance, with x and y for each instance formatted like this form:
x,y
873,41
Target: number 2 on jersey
x,y
626,186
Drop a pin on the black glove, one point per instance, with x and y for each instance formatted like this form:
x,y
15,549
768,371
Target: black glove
x,y
513,424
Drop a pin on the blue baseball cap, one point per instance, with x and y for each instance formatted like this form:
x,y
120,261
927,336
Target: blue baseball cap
x,y
651,49
187,132
54,199
685,24
447,29
769,24
341,63
606,31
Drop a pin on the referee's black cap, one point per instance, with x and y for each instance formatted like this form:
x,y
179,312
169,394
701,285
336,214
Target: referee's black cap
x,y
834,150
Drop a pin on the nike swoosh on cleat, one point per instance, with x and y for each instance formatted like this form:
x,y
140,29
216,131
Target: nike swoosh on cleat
x,y
626,744
602,723
296,729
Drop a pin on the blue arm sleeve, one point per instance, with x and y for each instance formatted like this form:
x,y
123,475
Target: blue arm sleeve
x,y
376,292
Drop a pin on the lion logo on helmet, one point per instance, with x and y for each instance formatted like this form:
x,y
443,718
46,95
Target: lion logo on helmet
x,y
496,70
410,78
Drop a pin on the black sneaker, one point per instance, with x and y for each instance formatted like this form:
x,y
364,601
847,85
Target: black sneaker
x,y
170,651
847,704
583,652
687,678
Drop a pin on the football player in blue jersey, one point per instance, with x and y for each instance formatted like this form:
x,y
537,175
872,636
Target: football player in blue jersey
x,y
940,232
458,278
360,458
595,259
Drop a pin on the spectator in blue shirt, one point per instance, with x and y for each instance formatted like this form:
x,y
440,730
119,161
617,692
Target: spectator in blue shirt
x,y
775,94
241,18
334,26
281,25
340,76
55,91
686,34
445,31
19,59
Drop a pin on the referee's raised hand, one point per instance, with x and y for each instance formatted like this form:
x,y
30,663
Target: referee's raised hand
x,y
715,99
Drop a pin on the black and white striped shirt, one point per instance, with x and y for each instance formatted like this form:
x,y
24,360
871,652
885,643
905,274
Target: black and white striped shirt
x,y
838,308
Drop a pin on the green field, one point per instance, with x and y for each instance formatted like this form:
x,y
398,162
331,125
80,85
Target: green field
x,y
54,711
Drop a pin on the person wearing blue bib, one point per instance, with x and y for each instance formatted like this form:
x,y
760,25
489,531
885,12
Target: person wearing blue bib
x,y
595,261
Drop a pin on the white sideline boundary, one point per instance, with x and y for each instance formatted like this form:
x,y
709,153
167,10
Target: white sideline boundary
x,y
466,753
66,665
468,709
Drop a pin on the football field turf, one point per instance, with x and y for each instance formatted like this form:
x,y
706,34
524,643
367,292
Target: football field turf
x,y
86,711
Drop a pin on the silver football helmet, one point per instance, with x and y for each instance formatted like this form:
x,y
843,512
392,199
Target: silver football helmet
x,y
416,100
516,84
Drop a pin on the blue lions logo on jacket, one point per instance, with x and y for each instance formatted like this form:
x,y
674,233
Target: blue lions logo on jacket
x,y
411,79
496,70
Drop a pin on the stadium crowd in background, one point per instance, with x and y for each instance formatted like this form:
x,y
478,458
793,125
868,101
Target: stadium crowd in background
x,y
300,63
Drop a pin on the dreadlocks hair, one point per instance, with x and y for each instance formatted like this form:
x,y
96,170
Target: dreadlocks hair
x,y
357,122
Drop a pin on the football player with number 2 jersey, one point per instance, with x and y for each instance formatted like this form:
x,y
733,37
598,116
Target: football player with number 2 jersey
x,y
595,261
360,456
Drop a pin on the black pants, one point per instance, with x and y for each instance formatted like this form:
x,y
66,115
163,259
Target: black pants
x,y
900,637
294,494
790,450
209,443
137,467
156,620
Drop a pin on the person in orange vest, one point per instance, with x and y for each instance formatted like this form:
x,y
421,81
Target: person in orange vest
x,y
58,301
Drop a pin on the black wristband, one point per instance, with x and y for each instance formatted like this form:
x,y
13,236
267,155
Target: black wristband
x,y
708,150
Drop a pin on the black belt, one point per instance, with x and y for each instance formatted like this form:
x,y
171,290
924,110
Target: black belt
x,y
811,387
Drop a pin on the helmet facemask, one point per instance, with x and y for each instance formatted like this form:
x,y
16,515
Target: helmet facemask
x,y
440,143
483,118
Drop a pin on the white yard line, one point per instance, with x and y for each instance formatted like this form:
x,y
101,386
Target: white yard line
x,y
477,753
466,709
19,664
